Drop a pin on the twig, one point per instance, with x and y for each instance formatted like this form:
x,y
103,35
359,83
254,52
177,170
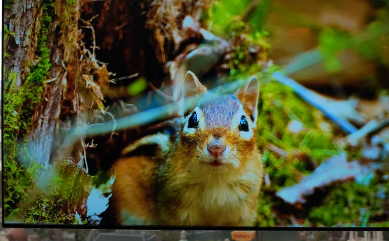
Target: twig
x,y
129,108
84,156
250,9
160,92
280,152
90,26
315,100
51,80
365,130
63,65
121,26
114,124
380,126
55,78
90,20
371,127
124,78
91,145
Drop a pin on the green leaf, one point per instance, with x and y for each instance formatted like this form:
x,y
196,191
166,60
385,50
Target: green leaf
x,y
137,86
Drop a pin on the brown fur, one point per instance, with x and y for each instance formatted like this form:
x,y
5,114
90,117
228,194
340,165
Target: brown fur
x,y
132,190
184,189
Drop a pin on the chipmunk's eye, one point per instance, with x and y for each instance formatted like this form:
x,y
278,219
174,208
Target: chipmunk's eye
x,y
193,121
243,125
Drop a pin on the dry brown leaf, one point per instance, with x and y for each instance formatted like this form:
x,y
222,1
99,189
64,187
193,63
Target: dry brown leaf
x,y
374,109
95,90
102,76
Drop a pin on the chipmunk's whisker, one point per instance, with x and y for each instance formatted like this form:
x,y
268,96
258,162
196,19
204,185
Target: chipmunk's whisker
x,y
242,164
189,160
209,180
193,163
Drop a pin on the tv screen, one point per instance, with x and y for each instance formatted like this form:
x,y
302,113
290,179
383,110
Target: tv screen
x,y
203,114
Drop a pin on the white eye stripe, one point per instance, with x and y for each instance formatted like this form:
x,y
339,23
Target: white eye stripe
x,y
200,119
247,135
236,120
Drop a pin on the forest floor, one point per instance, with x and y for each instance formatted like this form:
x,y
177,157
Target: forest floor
x,y
325,147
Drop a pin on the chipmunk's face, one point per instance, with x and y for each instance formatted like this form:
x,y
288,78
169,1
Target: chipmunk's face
x,y
220,134
220,131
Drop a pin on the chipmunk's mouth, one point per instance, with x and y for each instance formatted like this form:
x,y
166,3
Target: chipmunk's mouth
x,y
216,163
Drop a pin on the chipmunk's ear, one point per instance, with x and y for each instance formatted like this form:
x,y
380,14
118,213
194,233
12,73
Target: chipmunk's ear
x,y
192,85
249,95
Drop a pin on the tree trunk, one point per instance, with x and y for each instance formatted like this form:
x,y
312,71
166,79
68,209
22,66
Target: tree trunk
x,y
22,18
25,20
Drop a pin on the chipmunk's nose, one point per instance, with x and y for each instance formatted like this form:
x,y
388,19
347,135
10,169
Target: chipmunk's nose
x,y
216,147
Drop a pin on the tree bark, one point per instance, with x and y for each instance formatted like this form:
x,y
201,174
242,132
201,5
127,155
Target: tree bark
x,y
25,21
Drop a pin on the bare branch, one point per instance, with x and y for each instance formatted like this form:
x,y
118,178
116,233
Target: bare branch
x,y
124,78
160,92
90,26
315,100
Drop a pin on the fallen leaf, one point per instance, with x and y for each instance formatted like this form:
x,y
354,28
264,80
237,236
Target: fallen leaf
x,y
333,170
98,200
95,90
295,127
102,76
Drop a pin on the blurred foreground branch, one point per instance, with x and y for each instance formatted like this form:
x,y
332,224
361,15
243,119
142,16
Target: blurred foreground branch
x,y
298,64
315,100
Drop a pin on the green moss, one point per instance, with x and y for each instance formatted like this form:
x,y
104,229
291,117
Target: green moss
x,y
223,14
265,215
331,43
70,2
36,194
247,35
7,33
8,4
279,106
35,81
18,179
54,203
19,107
352,203
243,61
348,204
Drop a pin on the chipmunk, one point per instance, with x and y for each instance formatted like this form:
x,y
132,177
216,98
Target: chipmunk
x,y
205,170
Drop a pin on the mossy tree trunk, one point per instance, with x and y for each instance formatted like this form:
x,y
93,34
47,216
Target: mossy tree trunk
x,y
42,55
46,59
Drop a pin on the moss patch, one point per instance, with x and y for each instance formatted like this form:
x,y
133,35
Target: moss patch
x,y
250,52
8,4
7,33
56,202
19,107
35,81
347,204
17,178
